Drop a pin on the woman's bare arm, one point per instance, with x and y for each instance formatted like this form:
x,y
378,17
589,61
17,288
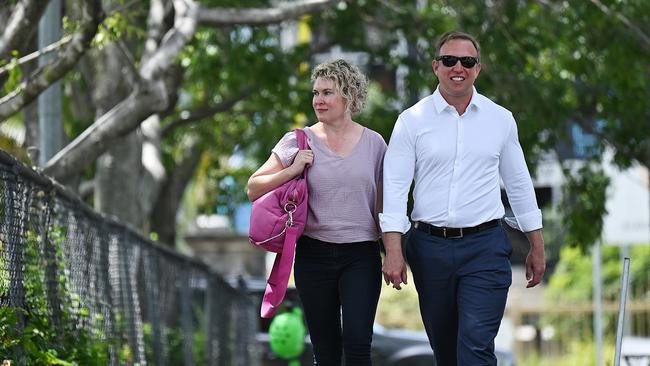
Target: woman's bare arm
x,y
272,174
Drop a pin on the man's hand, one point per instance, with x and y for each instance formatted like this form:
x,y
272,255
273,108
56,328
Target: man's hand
x,y
394,268
535,261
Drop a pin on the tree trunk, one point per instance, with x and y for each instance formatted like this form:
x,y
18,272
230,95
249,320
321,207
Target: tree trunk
x,y
163,216
117,181
30,112
153,170
119,169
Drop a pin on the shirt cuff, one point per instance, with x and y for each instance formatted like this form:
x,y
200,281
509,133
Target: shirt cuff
x,y
394,222
527,222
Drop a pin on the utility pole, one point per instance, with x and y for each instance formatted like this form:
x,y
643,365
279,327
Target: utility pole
x,y
50,124
598,301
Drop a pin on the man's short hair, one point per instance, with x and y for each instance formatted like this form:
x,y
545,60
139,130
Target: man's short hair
x,y
449,36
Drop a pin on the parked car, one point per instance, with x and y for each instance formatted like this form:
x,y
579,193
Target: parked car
x,y
635,351
402,347
390,347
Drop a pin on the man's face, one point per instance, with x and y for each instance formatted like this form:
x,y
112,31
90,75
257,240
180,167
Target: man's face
x,y
456,81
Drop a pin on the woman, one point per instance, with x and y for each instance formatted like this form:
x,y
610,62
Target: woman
x,y
338,266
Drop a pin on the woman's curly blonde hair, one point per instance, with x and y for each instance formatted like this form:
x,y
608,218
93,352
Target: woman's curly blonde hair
x,y
348,80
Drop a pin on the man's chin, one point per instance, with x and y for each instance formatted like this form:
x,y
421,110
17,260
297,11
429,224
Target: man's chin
x,y
457,92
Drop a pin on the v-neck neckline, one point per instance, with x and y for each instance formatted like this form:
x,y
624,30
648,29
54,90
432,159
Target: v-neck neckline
x,y
332,152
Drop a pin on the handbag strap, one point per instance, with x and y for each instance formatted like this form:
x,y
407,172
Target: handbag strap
x,y
301,137
276,285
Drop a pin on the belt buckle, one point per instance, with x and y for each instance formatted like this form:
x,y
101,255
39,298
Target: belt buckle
x,y
460,230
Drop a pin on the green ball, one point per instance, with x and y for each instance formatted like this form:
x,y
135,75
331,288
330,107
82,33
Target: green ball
x,y
287,334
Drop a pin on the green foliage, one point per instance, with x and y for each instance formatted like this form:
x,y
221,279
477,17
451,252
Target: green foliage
x,y
221,64
585,196
41,333
572,283
14,74
4,271
173,345
579,353
553,64
118,26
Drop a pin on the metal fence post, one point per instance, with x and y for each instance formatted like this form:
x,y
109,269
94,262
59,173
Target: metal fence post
x,y
108,308
621,311
209,319
598,301
186,315
153,294
14,238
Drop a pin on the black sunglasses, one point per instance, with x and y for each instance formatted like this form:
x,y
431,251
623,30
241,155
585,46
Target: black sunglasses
x,y
450,61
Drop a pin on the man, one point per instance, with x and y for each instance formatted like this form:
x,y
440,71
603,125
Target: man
x,y
455,144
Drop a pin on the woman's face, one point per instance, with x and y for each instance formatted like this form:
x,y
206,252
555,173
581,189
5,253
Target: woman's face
x,y
328,103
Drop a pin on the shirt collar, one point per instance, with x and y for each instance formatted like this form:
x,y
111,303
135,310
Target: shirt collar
x,y
442,105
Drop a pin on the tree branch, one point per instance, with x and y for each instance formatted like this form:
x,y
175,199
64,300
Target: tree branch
x,y
173,41
155,27
23,20
251,16
53,47
35,55
636,30
151,94
200,113
117,122
46,75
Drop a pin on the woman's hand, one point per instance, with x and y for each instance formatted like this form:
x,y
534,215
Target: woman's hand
x,y
302,159
272,173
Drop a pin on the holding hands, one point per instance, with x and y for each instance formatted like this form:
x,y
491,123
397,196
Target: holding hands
x,y
394,267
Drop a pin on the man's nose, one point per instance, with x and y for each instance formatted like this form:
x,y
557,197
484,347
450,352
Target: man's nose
x,y
457,66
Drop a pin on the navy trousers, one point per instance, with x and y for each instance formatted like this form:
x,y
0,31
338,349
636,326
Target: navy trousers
x,y
339,287
462,287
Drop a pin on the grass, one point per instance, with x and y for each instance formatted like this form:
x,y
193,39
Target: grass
x,y
578,354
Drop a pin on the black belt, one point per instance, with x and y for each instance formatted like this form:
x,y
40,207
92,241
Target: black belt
x,y
455,232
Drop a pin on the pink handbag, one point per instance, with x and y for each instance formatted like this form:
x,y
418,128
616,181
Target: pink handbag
x,y
277,220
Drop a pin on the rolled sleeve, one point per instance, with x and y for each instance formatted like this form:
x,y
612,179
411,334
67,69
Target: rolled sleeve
x,y
394,222
527,222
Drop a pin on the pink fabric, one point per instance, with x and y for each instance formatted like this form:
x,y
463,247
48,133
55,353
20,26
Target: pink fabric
x,y
276,285
342,189
277,220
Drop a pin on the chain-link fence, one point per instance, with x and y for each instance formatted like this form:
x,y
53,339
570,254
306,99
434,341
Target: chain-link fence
x,y
82,288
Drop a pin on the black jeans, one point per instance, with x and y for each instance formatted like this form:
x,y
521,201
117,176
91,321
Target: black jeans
x,y
339,287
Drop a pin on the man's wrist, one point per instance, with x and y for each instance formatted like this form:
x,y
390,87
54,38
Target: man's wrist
x,y
393,242
535,238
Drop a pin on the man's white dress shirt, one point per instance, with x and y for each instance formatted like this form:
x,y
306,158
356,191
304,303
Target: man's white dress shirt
x,y
456,162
